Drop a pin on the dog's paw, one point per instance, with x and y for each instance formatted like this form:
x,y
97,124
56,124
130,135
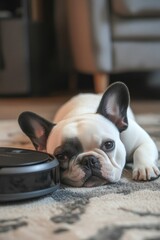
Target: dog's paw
x,y
145,173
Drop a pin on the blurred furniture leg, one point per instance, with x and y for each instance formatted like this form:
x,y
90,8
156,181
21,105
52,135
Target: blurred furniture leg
x,y
73,83
101,82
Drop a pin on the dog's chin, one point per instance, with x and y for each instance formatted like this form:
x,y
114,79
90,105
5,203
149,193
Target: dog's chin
x,y
94,181
91,181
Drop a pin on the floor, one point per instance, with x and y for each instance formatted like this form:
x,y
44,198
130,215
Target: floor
x,y
10,108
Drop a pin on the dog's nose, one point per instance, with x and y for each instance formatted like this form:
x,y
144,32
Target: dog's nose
x,y
89,161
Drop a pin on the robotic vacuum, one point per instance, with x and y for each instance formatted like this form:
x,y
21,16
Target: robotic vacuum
x,y
27,174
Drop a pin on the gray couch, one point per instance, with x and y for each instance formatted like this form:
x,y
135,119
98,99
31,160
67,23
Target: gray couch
x,y
109,36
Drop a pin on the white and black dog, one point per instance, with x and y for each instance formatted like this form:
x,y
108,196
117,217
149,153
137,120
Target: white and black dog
x,y
92,136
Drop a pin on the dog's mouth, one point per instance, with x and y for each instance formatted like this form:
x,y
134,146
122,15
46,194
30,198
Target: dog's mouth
x,y
88,181
94,181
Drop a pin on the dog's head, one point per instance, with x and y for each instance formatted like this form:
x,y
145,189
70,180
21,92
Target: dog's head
x,y
88,147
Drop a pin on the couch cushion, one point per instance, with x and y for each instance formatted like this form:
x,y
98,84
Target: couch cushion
x,y
131,8
132,56
135,29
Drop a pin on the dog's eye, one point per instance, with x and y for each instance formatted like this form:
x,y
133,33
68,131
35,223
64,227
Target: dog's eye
x,y
61,157
63,160
108,146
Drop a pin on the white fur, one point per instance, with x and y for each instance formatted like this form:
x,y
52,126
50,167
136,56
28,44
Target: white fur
x,y
77,117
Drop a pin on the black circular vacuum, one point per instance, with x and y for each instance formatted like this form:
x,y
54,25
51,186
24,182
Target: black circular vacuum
x,y
26,174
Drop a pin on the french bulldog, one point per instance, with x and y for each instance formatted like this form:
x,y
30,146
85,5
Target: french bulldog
x,y
93,136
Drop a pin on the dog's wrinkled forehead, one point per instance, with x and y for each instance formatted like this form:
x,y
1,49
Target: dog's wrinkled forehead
x,y
90,130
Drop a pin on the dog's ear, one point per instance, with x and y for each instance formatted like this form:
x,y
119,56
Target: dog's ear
x,y
114,104
36,128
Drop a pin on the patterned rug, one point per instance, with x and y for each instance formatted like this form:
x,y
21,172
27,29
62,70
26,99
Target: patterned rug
x,y
125,210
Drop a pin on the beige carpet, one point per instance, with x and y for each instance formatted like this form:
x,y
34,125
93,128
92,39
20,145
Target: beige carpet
x,y
126,210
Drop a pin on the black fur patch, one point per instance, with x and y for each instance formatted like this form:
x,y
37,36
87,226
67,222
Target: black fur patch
x,y
70,147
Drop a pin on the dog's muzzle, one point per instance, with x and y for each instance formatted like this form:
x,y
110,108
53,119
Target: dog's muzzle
x,y
91,166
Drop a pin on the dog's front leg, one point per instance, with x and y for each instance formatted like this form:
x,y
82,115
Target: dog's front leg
x,y
144,162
